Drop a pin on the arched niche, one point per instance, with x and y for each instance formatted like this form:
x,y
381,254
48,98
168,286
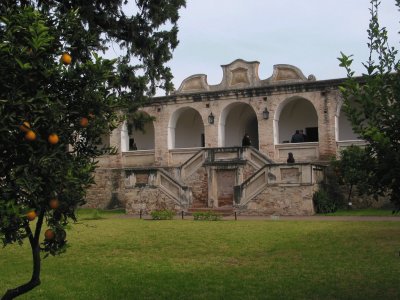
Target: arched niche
x,y
236,120
185,129
295,114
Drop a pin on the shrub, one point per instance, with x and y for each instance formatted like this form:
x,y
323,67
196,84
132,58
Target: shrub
x,y
322,203
206,216
332,188
165,214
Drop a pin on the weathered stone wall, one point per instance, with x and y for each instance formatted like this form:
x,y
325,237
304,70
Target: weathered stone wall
x,y
147,199
106,192
198,183
363,201
291,200
248,170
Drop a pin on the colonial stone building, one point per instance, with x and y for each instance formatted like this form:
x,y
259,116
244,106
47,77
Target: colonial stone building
x,y
191,156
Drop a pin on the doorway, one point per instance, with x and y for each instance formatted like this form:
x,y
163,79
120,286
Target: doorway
x,y
226,182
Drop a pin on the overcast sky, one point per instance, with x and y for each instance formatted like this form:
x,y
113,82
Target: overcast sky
x,y
308,34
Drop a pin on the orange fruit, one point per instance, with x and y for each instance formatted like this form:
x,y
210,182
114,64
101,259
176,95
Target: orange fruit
x,y
84,122
49,234
54,203
66,58
31,215
25,126
53,139
30,135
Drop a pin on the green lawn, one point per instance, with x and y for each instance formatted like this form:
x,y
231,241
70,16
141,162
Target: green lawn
x,y
122,258
363,212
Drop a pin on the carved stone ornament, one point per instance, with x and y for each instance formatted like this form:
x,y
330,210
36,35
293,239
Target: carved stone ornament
x,y
243,74
239,75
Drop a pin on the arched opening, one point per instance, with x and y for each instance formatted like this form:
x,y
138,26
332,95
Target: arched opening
x,y
186,129
140,135
296,114
236,120
344,130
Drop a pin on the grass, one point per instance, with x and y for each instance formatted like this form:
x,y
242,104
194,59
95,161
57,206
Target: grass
x,y
363,212
122,258
97,214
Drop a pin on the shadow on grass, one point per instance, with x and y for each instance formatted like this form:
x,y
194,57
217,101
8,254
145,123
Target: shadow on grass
x,y
98,214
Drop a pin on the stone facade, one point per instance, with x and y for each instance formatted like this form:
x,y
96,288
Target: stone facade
x,y
106,193
282,200
191,155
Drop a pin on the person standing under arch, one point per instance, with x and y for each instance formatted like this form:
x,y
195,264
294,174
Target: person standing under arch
x,y
297,137
246,141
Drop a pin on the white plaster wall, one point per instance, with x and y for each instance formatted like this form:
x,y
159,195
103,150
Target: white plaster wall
x,y
240,118
124,137
296,114
345,131
144,140
188,129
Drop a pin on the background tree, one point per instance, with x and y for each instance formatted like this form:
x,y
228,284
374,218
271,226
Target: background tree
x,y
353,169
58,96
372,104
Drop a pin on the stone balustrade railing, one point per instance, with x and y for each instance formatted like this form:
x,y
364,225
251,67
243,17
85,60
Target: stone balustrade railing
x,y
278,174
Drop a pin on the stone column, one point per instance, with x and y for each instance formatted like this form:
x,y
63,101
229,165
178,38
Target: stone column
x,y
326,125
161,135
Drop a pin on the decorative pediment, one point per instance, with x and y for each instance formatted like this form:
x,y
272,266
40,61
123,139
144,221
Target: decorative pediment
x,y
243,74
194,83
239,75
287,73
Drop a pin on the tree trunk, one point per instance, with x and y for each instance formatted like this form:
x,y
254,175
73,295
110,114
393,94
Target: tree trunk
x,y
35,280
349,196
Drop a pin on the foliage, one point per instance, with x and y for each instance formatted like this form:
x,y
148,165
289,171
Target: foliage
x,y
206,216
353,168
372,105
322,203
332,187
164,214
329,198
76,99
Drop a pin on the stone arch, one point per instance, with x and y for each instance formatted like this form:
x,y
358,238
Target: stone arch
x,y
185,129
343,128
293,114
236,119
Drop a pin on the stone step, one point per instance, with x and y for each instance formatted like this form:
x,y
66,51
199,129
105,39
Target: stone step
x,y
199,204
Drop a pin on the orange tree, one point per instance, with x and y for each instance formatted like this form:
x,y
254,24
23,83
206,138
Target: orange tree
x,y
58,96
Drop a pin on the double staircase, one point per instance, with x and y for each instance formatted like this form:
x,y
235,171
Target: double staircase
x,y
221,179
212,160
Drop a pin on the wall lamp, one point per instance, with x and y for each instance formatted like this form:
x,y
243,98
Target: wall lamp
x,y
265,114
211,118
